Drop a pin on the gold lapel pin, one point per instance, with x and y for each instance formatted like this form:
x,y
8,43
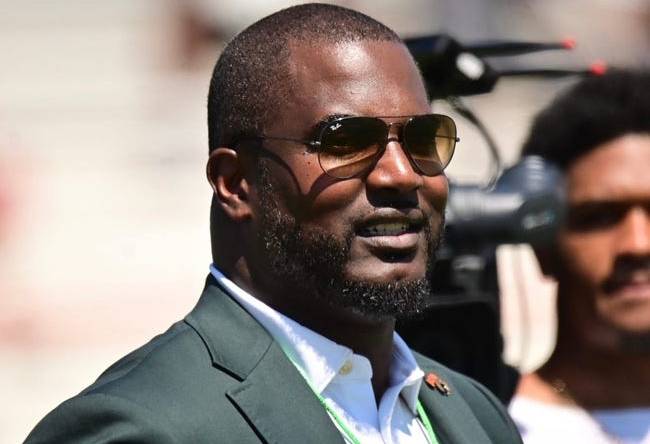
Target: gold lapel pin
x,y
436,382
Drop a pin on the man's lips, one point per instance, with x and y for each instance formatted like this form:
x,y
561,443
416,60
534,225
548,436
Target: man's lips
x,y
392,231
388,228
390,222
400,244
633,292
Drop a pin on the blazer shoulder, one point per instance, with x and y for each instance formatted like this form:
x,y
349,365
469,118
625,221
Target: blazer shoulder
x,y
100,418
165,388
173,388
179,343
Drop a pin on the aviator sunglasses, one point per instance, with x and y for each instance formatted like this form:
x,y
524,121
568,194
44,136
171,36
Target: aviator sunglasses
x,y
348,146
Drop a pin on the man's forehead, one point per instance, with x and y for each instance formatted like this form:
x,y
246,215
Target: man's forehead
x,y
346,52
355,77
614,170
341,60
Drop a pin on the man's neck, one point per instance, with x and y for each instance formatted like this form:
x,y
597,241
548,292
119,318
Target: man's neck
x,y
591,379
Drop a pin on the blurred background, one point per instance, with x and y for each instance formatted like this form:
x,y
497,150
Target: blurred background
x,y
103,202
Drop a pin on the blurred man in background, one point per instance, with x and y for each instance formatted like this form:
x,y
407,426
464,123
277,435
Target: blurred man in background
x,y
595,387
329,194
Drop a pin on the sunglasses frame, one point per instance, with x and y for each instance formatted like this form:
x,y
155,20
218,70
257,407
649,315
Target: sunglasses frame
x,y
325,125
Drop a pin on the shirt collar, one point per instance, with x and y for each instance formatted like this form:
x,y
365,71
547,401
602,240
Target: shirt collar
x,y
406,372
318,358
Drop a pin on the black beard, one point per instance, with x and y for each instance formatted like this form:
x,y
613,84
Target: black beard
x,y
310,261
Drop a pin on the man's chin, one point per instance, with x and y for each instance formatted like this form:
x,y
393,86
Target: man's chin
x,y
385,273
377,300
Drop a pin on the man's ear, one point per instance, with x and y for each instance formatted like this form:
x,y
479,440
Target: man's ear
x,y
225,171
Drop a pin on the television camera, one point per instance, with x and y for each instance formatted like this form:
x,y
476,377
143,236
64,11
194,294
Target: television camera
x,y
521,204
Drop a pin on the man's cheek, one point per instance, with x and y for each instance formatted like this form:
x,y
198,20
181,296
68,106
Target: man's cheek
x,y
587,265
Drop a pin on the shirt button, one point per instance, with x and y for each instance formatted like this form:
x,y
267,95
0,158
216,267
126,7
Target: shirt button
x,y
346,369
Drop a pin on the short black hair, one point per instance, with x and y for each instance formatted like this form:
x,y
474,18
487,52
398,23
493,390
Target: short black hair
x,y
594,111
251,76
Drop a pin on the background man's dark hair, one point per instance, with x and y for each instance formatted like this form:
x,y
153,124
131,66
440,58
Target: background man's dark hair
x,y
592,112
251,78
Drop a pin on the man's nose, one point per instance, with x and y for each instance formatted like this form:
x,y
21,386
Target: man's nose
x,y
634,232
394,170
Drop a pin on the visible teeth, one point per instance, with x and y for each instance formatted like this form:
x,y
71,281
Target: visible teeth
x,y
388,229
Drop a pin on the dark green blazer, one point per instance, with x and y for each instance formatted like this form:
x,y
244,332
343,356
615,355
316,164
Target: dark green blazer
x,y
218,377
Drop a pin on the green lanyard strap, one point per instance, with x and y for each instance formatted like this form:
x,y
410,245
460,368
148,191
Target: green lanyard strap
x,y
337,418
427,424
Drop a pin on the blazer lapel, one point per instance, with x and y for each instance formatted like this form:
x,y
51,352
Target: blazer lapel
x,y
451,418
277,401
271,394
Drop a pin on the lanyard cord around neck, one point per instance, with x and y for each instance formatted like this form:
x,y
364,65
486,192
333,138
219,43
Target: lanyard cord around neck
x,y
344,427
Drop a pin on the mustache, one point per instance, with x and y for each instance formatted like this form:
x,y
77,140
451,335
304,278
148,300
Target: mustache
x,y
628,270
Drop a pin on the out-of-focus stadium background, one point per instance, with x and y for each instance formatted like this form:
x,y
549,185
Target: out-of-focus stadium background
x,y
103,202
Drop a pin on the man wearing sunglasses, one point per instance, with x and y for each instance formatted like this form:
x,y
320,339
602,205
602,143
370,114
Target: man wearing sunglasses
x,y
326,166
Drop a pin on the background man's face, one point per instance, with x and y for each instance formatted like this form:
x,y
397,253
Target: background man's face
x,y
605,248
330,220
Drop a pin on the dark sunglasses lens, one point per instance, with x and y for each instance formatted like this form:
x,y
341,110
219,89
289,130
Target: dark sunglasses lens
x,y
430,140
349,145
